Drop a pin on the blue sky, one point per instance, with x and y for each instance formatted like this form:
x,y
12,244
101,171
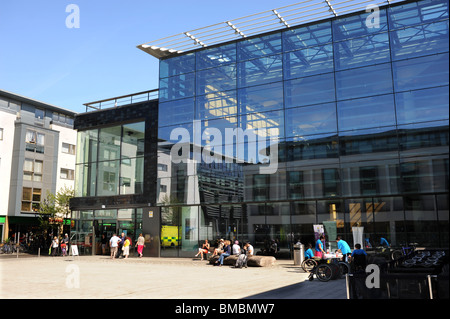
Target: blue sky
x,y
42,59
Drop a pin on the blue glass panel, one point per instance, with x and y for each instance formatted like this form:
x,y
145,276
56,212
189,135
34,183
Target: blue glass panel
x,y
366,113
355,144
311,90
308,120
417,12
310,61
165,132
303,37
175,112
360,25
366,81
420,73
177,65
176,87
422,105
216,132
424,139
260,71
372,49
312,147
216,105
214,57
258,47
261,98
218,79
267,124
420,40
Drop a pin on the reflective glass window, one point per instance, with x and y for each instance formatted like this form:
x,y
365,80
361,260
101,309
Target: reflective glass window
x,y
422,105
180,132
306,36
372,49
419,40
176,112
87,143
421,72
360,178
218,56
213,131
267,124
424,139
222,78
177,65
216,104
176,87
310,61
258,47
85,177
310,120
310,90
312,147
355,145
364,81
417,12
372,21
261,98
133,139
109,143
131,176
108,178
260,71
366,112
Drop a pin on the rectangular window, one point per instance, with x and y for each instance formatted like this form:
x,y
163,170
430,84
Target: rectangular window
x,y
421,73
31,198
366,81
67,174
34,141
310,90
260,71
32,170
309,61
68,148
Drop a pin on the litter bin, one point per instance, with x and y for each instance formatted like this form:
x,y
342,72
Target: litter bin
x,y
299,254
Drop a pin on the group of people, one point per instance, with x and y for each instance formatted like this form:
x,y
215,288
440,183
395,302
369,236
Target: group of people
x,y
121,246
225,249
342,245
55,245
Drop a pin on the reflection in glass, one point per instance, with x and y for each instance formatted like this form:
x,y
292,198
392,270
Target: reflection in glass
x,y
306,36
358,113
260,71
360,25
310,61
420,73
260,46
422,105
261,98
222,78
310,90
366,81
308,120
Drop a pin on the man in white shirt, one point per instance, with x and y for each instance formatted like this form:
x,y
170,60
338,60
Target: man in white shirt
x,y
249,248
113,244
236,248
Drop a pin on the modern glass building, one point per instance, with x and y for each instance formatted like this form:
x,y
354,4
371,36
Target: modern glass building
x,y
340,121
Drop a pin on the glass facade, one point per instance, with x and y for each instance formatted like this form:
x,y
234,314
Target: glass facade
x,y
342,122
359,116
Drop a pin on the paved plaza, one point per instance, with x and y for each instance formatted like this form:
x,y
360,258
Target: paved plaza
x,y
99,277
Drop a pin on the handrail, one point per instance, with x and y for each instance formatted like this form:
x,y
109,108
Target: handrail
x,y
122,100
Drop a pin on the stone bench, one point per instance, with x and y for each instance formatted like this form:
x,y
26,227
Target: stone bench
x,y
253,261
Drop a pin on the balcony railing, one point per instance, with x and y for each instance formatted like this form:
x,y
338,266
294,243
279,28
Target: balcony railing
x,y
122,100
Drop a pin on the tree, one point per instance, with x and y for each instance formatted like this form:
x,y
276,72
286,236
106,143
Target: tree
x,y
55,208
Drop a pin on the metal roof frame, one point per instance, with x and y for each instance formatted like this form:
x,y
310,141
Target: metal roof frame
x,y
258,23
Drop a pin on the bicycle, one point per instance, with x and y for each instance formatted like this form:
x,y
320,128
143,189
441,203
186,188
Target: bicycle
x,y
403,251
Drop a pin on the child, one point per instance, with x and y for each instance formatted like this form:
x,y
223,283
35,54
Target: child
x,y
309,253
63,248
